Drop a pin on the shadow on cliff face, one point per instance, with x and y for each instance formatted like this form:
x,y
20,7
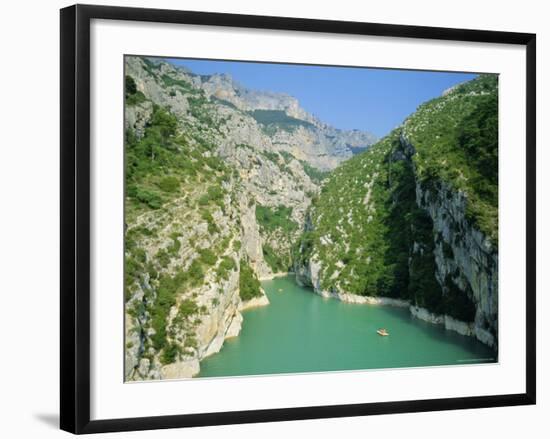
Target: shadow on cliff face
x,y
408,233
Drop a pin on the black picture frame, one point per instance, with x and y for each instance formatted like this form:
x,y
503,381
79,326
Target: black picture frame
x,y
75,217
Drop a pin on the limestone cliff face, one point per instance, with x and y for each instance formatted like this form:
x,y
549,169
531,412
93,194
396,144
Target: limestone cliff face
x,y
224,181
307,274
465,260
464,257
274,167
415,218
308,138
205,312
224,188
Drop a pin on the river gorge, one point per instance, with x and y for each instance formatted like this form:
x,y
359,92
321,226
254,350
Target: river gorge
x,y
226,186
303,332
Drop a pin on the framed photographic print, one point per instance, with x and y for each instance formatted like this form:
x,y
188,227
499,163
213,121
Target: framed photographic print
x,y
268,218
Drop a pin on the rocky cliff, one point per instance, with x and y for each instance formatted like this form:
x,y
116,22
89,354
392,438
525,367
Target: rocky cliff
x,y
465,259
289,127
225,186
415,218
218,182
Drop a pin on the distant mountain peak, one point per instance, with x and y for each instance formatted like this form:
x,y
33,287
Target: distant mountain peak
x,y
279,115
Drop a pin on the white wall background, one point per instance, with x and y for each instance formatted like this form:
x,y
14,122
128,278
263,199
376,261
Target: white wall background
x,y
29,206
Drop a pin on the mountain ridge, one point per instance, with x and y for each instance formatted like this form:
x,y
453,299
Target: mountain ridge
x,y
213,202
221,193
415,217
221,86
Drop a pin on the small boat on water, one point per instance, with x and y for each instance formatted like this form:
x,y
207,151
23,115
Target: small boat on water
x,y
383,332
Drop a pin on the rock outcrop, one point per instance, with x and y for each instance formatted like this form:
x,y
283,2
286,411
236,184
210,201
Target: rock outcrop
x,y
226,185
291,128
414,220
465,259
219,178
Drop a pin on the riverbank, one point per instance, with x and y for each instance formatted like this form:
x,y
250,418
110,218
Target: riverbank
x,y
255,302
363,300
300,332
452,324
229,327
275,275
469,329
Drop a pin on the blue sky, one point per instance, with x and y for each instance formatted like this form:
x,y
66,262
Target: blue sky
x,y
375,100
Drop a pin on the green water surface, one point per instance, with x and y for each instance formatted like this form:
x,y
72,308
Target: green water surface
x,y
303,332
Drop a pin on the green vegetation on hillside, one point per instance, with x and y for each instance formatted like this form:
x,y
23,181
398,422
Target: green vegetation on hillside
x,y
132,94
358,231
185,194
367,230
150,66
276,261
198,107
249,285
171,163
456,142
276,225
273,119
158,163
271,218
169,81
316,175
223,102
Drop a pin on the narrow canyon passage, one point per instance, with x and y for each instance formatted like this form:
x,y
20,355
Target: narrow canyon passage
x,y
226,185
303,332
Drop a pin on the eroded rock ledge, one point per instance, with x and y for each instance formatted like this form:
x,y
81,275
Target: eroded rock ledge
x,y
231,328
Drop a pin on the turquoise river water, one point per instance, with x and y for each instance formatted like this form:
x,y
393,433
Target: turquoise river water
x,y
303,332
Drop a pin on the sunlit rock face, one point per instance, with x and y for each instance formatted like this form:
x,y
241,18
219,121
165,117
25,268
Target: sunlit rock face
x,y
465,257
185,251
415,217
